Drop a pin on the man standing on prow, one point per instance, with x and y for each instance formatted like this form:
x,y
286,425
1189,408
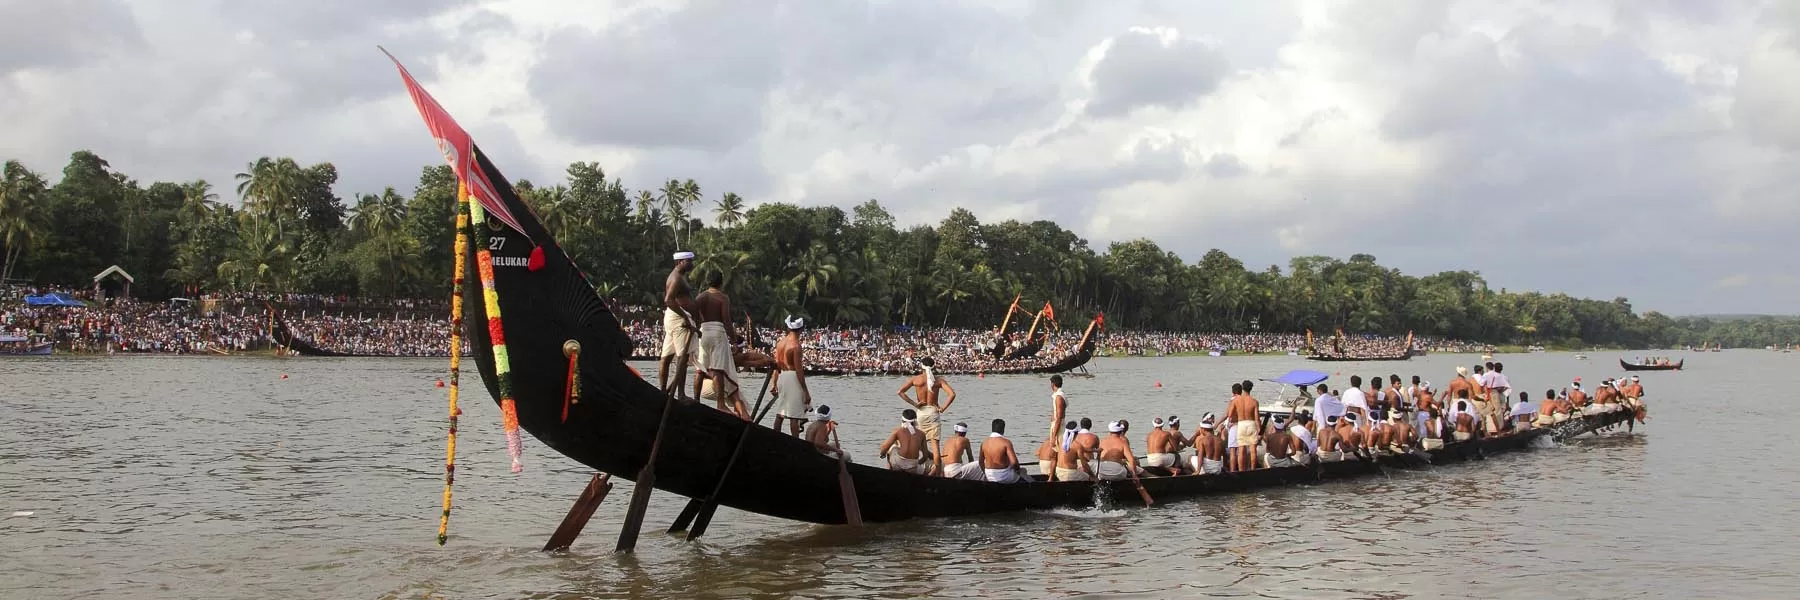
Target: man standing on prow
x,y
904,448
716,339
1046,453
679,344
925,388
790,390
1240,416
959,461
1159,449
998,461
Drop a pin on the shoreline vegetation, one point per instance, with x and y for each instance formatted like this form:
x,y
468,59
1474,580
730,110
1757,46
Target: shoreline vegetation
x,y
280,226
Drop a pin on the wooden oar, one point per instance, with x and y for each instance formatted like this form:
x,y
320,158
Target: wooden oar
x,y
1142,493
847,486
699,512
646,480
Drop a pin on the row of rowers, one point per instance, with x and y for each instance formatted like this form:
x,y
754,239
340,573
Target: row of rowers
x,y
1350,423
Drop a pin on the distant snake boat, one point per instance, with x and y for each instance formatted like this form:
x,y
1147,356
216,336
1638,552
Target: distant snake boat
x,y
544,302
1674,366
17,345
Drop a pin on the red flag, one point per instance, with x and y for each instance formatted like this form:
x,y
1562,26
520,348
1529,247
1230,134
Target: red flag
x,y
1048,312
457,146
1100,318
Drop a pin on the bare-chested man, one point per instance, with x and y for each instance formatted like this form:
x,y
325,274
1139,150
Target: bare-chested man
x,y
1462,417
1178,441
792,399
1117,461
1349,436
1400,432
1578,399
1209,448
1634,399
959,460
679,342
904,449
1246,431
821,431
1281,448
925,388
1047,452
1160,449
1458,387
1431,429
998,461
1073,454
716,340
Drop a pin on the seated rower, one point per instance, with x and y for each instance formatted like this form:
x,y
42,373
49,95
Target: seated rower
x,y
1462,418
1578,400
1209,448
998,461
959,459
1546,410
1072,459
1379,432
821,431
1117,461
1431,430
1280,447
1400,432
1302,430
1349,436
1524,413
1160,449
904,449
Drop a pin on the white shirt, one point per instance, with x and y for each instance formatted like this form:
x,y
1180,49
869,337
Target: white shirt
x,y
1523,408
1355,398
1306,435
1327,406
1486,378
1498,381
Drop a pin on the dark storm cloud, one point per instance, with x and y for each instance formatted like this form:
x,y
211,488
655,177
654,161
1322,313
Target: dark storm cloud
x,y
1141,70
35,34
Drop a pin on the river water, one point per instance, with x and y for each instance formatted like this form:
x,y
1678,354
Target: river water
x,y
178,477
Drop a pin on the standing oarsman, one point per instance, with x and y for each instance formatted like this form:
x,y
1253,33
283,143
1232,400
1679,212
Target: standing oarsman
x,y
716,340
1046,453
959,461
1241,417
998,461
678,324
1502,387
925,388
790,390
904,449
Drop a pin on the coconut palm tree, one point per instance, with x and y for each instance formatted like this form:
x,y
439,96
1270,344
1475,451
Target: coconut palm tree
x,y
729,211
260,258
23,218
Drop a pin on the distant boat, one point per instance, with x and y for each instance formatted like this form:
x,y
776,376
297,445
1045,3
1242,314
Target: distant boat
x,y
1487,357
1674,366
14,345
1581,357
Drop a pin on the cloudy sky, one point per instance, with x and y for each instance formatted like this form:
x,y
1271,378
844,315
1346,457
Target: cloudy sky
x,y
1643,148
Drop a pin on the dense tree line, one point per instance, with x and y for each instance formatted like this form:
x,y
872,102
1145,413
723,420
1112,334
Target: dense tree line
x,y
290,232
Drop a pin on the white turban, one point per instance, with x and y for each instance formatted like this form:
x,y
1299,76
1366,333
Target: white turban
x,y
961,428
683,255
821,413
794,322
1115,427
1462,371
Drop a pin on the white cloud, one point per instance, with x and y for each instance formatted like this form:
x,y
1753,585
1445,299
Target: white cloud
x,y
1634,148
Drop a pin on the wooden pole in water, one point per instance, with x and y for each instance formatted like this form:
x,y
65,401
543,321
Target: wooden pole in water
x,y
579,513
646,481
847,487
699,512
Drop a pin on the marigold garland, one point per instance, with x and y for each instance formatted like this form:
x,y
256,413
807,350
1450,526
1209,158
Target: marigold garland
x,y
456,316
490,299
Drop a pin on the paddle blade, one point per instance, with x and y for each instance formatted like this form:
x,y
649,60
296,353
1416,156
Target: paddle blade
x,y
634,515
686,517
705,518
847,486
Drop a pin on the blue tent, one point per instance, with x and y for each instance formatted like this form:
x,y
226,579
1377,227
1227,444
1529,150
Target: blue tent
x,y
1301,377
53,299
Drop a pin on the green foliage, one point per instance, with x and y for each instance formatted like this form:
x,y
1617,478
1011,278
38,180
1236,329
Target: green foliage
x,y
292,234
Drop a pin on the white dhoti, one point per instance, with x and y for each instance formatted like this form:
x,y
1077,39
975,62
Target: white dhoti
x,y
1593,409
1332,456
1072,475
791,399
1431,443
1560,417
1046,466
1111,471
928,422
903,464
968,470
1461,436
715,355
1004,475
1160,460
1303,459
678,340
1276,463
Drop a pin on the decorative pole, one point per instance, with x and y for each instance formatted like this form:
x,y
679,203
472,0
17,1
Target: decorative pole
x,y
456,317
490,300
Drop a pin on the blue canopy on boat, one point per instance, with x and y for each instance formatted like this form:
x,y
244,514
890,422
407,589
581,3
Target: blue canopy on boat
x,y
7,339
1301,377
52,299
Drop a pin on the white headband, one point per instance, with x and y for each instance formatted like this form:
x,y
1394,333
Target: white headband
x,y
962,429
794,322
1115,427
